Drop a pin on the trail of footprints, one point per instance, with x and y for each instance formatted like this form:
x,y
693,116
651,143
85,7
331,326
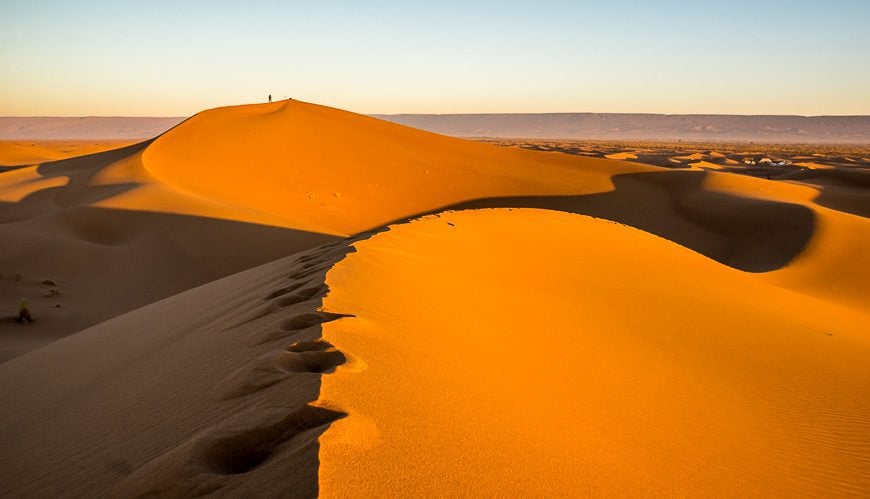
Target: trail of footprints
x,y
207,462
308,354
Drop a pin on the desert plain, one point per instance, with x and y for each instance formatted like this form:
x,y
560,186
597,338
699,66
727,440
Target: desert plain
x,y
291,300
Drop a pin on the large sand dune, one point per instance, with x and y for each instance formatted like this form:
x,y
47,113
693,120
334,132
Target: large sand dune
x,y
92,237
496,368
704,333
171,213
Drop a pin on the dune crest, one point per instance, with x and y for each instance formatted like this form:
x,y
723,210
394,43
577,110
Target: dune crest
x,y
511,352
345,172
211,391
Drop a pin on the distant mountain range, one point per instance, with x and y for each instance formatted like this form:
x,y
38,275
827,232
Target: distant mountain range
x,y
595,126
611,126
84,128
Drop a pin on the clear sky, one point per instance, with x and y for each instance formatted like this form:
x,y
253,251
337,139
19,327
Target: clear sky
x,y
173,58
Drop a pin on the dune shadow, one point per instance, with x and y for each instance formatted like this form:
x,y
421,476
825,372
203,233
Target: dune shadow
x,y
78,189
276,422
841,189
262,367
56,230
81,170
249,386
142,256
748,234
846,201
844,189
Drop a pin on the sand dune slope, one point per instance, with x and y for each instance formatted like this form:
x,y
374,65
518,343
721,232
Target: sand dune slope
x,y
552,324
326,170
525,353
168,214
199,393
344,173
89,238
292,175
485,352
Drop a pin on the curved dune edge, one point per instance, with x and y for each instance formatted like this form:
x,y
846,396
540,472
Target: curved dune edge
x,y
456,334
213,390
206,392
511,352
16,153
292,175
112,238
338,172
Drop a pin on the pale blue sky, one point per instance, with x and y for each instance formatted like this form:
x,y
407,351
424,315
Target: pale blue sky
x,y
160,58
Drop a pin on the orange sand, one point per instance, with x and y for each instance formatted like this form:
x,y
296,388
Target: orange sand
x,y
514,353
705,165
290,174
621,155
17,152
692,157
341,173
706,334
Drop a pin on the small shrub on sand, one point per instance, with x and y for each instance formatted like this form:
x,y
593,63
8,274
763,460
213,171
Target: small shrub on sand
x,y
24,315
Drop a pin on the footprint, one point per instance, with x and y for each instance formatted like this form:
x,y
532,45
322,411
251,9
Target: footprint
x,y
268,308
309,319
240,450
284,291
310,357
301,295
293,325
271,440
302,274
310,346
313,257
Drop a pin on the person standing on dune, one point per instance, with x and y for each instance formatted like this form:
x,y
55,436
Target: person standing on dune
x,y
270,97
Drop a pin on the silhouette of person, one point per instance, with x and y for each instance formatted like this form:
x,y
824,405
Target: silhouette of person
x,y
270,97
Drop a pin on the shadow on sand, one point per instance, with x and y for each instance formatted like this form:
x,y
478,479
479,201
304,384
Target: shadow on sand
x,y
250,371
745,233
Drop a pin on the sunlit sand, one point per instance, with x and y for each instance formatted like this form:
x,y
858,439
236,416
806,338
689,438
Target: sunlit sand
x,y
288,299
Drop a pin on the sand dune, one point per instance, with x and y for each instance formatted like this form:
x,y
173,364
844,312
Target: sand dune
x,y
499,321
705,165
298,166
224,177
18,153
89,238
149,403
623,373
621,155
342,173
